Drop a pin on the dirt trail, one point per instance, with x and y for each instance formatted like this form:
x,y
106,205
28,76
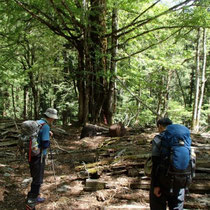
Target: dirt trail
x,y
115,166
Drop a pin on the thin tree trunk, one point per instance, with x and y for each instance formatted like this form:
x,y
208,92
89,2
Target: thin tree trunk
x,y
13,103
196,93
180,85
138,104
35,94
192,84
203,79
166,95
80,84
25,100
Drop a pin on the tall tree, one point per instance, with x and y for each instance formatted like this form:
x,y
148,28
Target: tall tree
x,y
89,37
200,79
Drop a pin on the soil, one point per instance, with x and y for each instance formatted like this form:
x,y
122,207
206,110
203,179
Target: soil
x,y
115,165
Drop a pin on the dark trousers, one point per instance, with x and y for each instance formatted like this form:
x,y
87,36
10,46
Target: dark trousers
x,y
37,165
175,201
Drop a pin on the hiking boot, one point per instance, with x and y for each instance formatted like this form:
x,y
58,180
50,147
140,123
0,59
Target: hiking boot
x,y
40,200
31,203
29,207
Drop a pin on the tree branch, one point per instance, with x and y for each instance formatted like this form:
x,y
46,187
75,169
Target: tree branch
x,y
142,50
74,20
55,29
145,21
137,98
143,33
132,22
60,13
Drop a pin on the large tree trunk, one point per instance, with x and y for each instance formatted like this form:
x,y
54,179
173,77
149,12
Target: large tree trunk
x,y
92,51
98,50
110,103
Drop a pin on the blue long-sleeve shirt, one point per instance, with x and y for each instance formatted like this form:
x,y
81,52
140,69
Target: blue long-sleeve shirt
x,y
44,136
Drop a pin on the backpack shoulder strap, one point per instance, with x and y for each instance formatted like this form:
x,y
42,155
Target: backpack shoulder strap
x,y
157,141
165,148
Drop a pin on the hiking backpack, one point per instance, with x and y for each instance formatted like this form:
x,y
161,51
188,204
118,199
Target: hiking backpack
x,y
28,141
177,161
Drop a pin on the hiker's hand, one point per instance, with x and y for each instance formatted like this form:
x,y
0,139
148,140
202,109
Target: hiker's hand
x,y
157,191
51,133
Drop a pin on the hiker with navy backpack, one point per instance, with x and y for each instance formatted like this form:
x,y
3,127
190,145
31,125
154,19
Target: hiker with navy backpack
x,y
36,137
172,166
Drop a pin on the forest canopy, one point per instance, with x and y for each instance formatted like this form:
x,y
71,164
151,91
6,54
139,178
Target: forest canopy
x,y
104,61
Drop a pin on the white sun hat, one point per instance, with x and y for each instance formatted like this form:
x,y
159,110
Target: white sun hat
x,y
51,113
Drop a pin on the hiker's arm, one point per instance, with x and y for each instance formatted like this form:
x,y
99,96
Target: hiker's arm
x,y
155,165
155,159
45,138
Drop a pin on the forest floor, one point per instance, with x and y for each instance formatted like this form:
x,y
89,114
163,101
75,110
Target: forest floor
x,y
97,173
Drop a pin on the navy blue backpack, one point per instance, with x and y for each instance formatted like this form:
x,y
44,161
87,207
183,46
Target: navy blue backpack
x,y
176,163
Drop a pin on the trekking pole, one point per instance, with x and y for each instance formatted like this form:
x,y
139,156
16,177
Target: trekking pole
x,y
53,168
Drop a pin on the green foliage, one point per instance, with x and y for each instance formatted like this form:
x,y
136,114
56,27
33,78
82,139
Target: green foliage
x,y
155,49
66,99
178,113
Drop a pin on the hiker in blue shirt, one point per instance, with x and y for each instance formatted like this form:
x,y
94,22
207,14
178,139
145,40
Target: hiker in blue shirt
x,y
37,163
159,196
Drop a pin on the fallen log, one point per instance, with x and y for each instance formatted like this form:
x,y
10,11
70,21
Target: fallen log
x,y
9,143
90,130
206,170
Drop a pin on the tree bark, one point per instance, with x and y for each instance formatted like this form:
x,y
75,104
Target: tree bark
x,y
203,79
25,100
110,108
166,94
98,50
83,112
196,93
181,88
13,102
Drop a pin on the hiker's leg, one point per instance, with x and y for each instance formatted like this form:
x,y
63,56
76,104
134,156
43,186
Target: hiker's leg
x,y
42,169
157,203
35,169
176,201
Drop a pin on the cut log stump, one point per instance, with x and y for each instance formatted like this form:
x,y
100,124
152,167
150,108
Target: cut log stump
x,y
94,185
